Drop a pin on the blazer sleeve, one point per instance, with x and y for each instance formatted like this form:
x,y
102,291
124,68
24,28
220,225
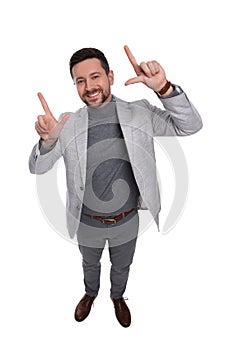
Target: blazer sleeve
x,y
180,117
41,162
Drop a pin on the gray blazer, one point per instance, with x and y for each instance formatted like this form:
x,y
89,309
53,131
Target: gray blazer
x,y
140,122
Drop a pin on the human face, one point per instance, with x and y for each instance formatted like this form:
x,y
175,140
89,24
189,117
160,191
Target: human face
x,y
93,84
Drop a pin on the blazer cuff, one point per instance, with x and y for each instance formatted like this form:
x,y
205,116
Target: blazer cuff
x,y
177,90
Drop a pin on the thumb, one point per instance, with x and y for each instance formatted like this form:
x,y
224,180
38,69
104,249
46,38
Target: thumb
x,y
60,124
64,119
135,80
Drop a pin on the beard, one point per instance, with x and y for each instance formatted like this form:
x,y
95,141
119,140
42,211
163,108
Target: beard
x,y
96,97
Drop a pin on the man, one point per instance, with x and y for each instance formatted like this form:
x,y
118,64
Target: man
x,y
110,164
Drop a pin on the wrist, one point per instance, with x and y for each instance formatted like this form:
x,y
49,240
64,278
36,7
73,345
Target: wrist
x,y
165,90
48,143
168,92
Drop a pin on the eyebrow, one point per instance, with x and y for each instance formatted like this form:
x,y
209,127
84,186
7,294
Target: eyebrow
x,y
89,75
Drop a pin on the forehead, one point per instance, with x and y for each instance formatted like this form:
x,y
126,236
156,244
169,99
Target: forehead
x,y
87,67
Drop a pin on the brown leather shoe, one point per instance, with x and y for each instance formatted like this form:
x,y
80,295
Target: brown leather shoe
x,y
122,312
83,308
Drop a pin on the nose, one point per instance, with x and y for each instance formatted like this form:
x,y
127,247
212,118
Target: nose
x,y
89,84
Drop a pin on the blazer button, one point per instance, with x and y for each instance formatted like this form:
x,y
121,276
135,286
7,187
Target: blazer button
x,y
81,188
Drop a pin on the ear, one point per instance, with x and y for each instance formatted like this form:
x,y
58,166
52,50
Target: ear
x,y
111,77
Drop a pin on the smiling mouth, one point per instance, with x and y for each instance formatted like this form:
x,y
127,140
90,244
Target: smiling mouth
x,y
94,95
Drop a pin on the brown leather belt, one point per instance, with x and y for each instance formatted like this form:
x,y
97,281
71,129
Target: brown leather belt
x,y
110,221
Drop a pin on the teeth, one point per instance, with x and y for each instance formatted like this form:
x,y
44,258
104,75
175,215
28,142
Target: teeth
x,y
93,95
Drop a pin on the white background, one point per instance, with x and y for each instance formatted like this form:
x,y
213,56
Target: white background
x,y
176,287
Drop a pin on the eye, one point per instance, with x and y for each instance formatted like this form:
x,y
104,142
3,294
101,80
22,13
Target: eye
x,y
96,76
80,81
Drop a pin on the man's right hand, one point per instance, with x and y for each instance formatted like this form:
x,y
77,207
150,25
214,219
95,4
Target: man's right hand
x,y
47,127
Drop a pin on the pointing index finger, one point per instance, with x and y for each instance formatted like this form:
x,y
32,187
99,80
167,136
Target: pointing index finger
x,y
44,103
132,60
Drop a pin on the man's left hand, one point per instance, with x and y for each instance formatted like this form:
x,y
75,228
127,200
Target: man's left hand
x,y
150,73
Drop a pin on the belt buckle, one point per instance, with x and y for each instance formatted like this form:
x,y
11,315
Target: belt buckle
x,y
113,221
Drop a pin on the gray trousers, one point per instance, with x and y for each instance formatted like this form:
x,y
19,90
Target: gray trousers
x,y
121,238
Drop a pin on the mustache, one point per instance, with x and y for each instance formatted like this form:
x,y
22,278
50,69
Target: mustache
x,y
92,91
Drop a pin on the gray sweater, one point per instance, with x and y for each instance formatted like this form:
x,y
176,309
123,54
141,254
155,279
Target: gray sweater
x,y
109,174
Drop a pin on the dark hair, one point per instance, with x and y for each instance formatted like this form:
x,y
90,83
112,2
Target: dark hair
x,y
86,53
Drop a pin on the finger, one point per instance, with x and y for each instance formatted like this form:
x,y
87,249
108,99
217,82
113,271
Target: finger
x,y
145,68
44,103
153,67
60,125
39,130
132,60
135,80
64,119
41,122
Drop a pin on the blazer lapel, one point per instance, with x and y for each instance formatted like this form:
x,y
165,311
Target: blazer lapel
x,y
125,118
81,136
